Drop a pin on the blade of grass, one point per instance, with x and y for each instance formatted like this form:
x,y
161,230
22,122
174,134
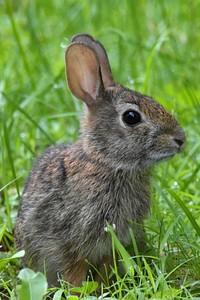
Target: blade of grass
x,y
9,183
154,50
135,248
166,236
177,267
150,276
18,42
186,211
29,118
2,230
120,248
5,192
40,92
173,209
9,152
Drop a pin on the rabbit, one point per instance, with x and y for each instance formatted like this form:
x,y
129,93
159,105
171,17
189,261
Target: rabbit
x,y
74,189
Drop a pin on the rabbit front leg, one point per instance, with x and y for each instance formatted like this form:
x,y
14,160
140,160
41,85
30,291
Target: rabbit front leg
x,y
76,273
104,269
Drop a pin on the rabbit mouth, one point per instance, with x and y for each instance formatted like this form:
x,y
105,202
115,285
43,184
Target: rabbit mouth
x,y
168,156
163,156
176,146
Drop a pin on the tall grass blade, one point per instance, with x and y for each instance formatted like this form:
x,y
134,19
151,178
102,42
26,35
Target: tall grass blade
x,y
122,251
166,236
9,152
173,209
152,54
18,42
186,211
30,119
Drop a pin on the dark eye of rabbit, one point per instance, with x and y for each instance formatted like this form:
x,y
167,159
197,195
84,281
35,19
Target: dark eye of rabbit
x,y
131,117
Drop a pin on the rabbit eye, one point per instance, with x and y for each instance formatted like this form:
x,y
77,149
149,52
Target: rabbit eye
x,y
131,117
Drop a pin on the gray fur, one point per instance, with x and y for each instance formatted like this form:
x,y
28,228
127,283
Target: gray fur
x,y
73,190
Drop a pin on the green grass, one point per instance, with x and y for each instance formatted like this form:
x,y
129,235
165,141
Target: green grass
x,y
153,47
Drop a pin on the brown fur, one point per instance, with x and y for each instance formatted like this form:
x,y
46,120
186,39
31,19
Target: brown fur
x,y
73,190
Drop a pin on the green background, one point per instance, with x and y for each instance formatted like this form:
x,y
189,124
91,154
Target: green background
x,y
154,48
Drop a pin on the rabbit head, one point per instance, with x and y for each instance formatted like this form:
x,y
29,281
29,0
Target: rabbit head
x,y
121,128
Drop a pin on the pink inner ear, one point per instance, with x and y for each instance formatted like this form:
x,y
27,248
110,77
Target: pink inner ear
x,y
102,56
83,72
89,73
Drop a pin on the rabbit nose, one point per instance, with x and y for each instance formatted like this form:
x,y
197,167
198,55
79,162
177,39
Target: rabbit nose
x,y
180,140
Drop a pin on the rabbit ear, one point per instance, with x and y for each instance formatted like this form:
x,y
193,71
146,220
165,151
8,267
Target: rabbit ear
x,y
102,56
83,72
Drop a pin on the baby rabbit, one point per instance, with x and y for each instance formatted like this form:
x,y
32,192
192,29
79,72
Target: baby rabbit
x,y
74,189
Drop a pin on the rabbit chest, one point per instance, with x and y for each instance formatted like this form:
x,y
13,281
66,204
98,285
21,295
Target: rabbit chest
x,y
95,195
